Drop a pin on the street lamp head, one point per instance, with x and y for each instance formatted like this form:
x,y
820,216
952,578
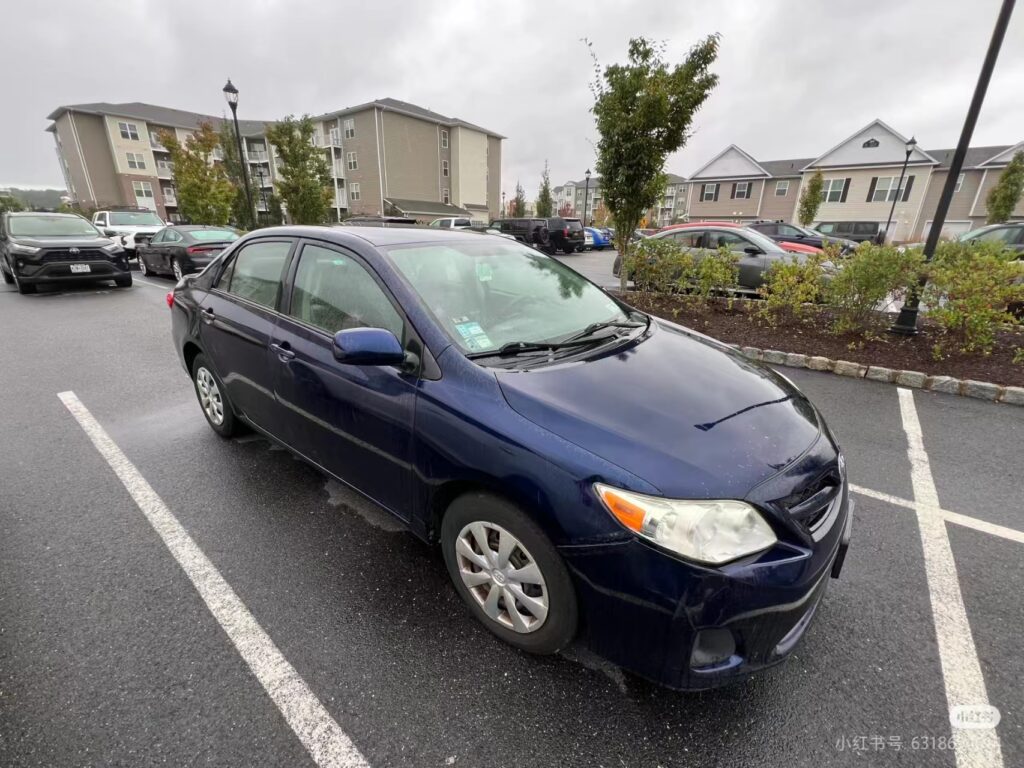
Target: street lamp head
x,y
587,174
911,143
231,93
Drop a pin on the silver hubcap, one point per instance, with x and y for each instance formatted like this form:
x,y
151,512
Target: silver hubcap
x,y
502,577
209,396
142,266
176,267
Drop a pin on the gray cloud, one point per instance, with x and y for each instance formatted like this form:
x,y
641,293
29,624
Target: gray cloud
x,y
797,76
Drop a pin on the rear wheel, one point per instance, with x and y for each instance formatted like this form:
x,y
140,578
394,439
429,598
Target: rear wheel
x,y
509,573
213,398
142,266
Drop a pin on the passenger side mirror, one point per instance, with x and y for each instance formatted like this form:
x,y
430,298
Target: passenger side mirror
x,y
753,250
109,232
368,346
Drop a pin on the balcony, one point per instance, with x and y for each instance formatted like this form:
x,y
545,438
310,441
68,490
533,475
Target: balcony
x,y
340,199
171,200
257,156
333,138
155,144
339,169
165,171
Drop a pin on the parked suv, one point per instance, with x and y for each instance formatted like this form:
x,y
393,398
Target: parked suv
x,y
781,232
40,248
1010,235
566,235
857,231
452,222
128,226
529,231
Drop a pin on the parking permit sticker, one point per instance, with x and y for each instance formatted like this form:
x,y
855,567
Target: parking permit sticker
x,y
484,273
474,335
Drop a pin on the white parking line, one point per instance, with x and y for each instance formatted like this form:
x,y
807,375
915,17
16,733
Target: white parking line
x,y
950,517
961,670
328,745
154,285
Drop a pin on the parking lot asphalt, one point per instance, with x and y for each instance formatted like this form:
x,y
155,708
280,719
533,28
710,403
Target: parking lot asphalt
x,y
110,656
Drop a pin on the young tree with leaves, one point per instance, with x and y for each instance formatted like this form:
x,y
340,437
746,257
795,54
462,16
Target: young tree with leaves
x,y
810,199
644,110
545,202
517,207
204,191
9,203
1007,192
305,185
241,216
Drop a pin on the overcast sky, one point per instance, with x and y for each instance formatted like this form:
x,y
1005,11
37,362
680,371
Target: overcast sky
x,y
797,77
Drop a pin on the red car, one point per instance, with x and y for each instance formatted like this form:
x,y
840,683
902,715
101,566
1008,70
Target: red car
x,y
791,247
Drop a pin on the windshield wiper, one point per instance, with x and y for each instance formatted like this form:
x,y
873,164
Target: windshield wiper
x,y
595,327
518,347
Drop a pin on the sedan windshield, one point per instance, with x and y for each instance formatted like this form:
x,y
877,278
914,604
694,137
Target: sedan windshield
x,y
50,226
134,219
489,294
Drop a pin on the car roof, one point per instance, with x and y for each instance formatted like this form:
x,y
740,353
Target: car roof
x,y
45,213
190,227
377,236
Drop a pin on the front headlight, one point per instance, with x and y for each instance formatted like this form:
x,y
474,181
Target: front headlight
x,y
113,248
24,250
713,532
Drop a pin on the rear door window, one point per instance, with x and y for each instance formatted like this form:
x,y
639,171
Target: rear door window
x,y
688,238
865,228
256,272
826,229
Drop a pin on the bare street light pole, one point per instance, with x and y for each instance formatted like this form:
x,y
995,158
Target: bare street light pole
x,y
231,94
906,323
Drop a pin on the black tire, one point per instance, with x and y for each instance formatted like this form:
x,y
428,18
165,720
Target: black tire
x,y
24,288
8,277
568,250
123,281
230,425
143,269
559,625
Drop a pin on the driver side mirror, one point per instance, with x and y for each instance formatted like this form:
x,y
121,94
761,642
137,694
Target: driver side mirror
x,y
368,346
753,250
109,232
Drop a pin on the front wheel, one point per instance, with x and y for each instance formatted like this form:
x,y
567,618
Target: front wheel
x,y
123,281
509,573
8,277
213,398
143,269
176,269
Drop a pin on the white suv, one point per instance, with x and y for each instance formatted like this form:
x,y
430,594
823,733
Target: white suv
x,y
452,222
128,226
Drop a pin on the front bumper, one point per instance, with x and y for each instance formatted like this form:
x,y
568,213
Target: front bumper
x,y
31,273
693,627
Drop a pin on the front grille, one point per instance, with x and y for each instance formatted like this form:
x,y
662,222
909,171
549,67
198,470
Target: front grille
x,y
810,506
65,254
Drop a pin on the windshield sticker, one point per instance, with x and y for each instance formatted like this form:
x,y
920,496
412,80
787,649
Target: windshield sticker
x,y
473,335
484,273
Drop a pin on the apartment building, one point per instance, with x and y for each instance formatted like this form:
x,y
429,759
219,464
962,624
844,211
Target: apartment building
x,y
861,176
671,208
386,156
395,158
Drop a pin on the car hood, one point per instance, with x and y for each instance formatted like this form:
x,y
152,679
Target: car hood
x,y
677,409
129,230
83,241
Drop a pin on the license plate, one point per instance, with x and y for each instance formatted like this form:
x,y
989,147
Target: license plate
x,y
77,268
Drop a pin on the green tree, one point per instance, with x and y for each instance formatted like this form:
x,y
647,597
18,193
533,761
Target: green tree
x,y
810,199
545,203
305,182
518,205
643,110
240,215
204,191
1007,192
9,203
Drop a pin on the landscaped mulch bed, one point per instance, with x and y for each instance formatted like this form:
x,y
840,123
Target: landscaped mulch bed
x,y
811,335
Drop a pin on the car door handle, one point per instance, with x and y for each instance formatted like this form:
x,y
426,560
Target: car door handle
x,y
284,351
207,315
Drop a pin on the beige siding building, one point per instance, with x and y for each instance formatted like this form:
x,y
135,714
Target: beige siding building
x,y
386,156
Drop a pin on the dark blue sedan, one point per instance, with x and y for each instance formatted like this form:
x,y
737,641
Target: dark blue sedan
x,y
586,469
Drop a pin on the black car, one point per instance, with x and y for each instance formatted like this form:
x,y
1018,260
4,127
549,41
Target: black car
x,y
782,232
531,231
566,235
183,249
38,248
857,231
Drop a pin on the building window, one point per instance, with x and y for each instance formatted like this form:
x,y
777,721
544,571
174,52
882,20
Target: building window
x,y
781,188
136,160
709,193
959,182
444,139
832,190
129,131
444,167
741,190
350,128
885,189
445,196
351,162
353,192
870,144
142,189
334,137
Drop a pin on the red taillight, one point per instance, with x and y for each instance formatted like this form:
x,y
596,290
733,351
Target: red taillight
x,y
197,249
566,232
170,298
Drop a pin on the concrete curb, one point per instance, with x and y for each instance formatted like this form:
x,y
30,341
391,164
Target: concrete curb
x,y
980,390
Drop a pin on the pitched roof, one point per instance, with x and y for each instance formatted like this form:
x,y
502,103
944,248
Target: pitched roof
x,y
406,108
426,207
975,155
876,122
151,113
723,153
783,168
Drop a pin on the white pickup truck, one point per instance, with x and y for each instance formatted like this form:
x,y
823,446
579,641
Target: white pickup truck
x,y
128,226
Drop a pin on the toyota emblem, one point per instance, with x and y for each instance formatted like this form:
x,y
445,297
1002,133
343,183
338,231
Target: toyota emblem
x,y
74,251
